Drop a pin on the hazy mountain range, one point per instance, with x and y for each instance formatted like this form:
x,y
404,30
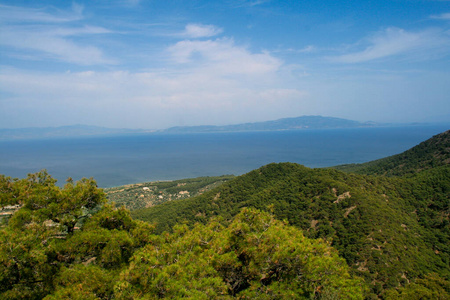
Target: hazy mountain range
x,y
303,122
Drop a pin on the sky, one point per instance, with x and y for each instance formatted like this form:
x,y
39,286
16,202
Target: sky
x,y
157,64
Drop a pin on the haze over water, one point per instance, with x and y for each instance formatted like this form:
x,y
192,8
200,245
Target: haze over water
x,y
119,160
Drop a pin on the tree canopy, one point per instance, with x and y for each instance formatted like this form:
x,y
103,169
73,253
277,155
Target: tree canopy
x,y
253,257
67,242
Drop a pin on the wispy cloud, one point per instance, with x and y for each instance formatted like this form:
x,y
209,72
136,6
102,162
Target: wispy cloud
x,y
149,99
241,3
306,49
25,15
54,44
444,16
395,41
200,31
49,34
132,2
257,2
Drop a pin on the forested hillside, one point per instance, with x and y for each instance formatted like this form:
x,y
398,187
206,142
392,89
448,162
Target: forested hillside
x,y
390,230
429,154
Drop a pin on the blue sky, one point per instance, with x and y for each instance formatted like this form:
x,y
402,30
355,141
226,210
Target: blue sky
x,y
156,64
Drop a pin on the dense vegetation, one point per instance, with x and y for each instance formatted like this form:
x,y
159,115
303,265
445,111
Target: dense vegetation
x,y
253,257
428,154
141,195
62,239
390,230
68,244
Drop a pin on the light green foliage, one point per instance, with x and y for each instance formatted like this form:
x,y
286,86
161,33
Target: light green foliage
x,y
42,200
46,214
41,252
84,282
24,268
108,238
254,257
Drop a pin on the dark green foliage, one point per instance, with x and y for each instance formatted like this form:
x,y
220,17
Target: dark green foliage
x,y
390,230
430,287
432,153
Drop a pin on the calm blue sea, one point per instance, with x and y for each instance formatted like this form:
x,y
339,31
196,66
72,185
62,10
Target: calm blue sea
x,y
118,160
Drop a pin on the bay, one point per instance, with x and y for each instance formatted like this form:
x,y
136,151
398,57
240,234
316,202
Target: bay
x,y
126,159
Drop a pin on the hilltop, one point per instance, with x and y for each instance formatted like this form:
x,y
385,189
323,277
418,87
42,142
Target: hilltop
x,y
431,153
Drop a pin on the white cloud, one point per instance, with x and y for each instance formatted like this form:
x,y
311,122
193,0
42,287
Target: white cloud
x,y
223,56
396,41
200,30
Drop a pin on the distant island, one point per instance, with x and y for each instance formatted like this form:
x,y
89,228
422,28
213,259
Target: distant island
x,y
303,122
297,123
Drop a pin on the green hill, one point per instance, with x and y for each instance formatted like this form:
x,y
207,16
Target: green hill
x,y
391,231
429,154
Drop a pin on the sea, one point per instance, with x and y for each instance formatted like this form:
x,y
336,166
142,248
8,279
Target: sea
x,y
126,159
